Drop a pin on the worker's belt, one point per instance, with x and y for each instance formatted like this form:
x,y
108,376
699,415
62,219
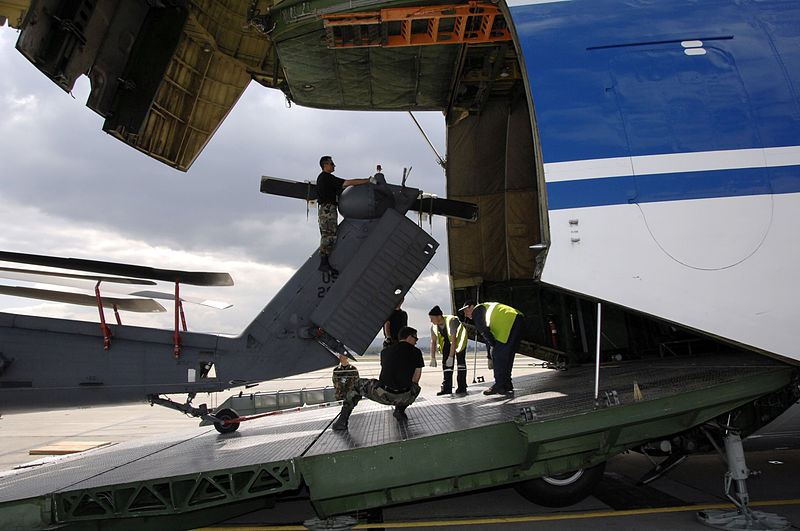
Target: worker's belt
x,y
395,391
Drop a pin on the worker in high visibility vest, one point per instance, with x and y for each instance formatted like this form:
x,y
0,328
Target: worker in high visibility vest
x,y
449,337
502,327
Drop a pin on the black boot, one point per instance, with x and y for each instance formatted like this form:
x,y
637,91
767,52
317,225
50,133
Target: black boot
x,y
344,416
400,413
325,266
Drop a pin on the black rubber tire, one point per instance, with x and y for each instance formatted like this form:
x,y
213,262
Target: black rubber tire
x,y
563,489
226,414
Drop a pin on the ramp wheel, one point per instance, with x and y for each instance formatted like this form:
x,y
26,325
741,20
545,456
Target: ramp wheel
x,y
562,489
226,414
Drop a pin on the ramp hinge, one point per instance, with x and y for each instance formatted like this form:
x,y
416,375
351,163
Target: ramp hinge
x,y
610,398
527,414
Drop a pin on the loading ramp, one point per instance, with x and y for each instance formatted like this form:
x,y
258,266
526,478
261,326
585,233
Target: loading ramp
x,y
449,445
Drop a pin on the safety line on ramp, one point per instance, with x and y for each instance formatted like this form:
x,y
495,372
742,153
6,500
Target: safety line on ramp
x,y
514,519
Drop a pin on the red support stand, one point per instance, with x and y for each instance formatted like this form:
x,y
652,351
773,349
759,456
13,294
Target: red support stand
x,y
103,326
178,312
183,317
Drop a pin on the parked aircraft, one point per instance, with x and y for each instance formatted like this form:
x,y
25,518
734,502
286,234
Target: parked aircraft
x,y
640,154
315,318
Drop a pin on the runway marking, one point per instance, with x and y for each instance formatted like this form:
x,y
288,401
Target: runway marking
x,y
515,519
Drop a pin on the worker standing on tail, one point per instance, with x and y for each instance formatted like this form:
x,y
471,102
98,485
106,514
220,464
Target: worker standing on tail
x,y
449,337
502,327
329,187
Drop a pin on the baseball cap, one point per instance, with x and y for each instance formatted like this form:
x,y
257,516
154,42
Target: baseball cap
x,y
468,302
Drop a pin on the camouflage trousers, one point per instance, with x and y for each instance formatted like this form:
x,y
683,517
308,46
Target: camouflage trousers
x,y
328,223
373,390
344,380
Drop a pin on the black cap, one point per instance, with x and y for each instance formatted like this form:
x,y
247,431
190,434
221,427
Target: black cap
x,y
435,311
467,303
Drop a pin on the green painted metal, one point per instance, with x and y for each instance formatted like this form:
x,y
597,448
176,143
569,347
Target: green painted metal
x,y
175,495
515,451
33,513
400,464
399,472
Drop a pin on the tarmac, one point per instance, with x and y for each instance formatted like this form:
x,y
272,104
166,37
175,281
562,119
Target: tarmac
x,y
22,432
670,502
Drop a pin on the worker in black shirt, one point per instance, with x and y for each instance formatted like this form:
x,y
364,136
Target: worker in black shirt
x,y
329,187
398,383
397,320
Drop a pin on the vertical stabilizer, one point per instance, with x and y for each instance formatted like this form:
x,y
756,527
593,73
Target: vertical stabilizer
x,y
379,274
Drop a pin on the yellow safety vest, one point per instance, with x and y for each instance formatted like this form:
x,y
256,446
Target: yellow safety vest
x,y
500,319
461,334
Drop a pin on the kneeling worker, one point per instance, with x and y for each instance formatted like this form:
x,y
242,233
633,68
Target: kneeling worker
x,y
449,337
502,327
398,383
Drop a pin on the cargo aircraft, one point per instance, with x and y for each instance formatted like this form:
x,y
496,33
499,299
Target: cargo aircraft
x,y
642,155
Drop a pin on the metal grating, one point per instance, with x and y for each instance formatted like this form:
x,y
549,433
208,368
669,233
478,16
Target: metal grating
x,y
292,436
554,395
193,451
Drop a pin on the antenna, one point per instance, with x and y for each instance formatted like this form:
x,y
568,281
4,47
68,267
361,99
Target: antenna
x,y
406,173
439,159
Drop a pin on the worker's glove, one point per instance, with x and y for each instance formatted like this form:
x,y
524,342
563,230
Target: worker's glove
x,y
373,180
432,363
449,362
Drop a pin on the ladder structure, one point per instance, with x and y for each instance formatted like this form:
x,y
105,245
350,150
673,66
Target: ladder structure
x,y
472,23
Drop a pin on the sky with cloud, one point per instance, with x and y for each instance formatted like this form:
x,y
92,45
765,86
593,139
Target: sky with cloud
x,y
69,189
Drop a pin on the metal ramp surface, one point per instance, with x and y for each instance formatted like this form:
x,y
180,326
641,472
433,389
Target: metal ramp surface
x,y
201,470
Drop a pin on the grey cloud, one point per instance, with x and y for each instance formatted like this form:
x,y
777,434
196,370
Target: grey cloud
x,y
56,158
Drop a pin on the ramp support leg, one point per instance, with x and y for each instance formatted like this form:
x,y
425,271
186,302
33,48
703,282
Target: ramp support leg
x,y
743,517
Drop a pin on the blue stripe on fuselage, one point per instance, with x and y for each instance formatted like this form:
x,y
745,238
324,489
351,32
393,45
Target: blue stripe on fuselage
x,y
610,79
672,187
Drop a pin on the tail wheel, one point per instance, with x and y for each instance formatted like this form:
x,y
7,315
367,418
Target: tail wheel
x,y
226,414
561,490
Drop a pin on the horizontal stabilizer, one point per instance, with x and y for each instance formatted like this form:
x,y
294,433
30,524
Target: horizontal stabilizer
x,y
196,278
130,305
424,204
33,275
451,208
295,189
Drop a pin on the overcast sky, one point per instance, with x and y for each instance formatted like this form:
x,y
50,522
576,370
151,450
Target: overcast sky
x,y
69,189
